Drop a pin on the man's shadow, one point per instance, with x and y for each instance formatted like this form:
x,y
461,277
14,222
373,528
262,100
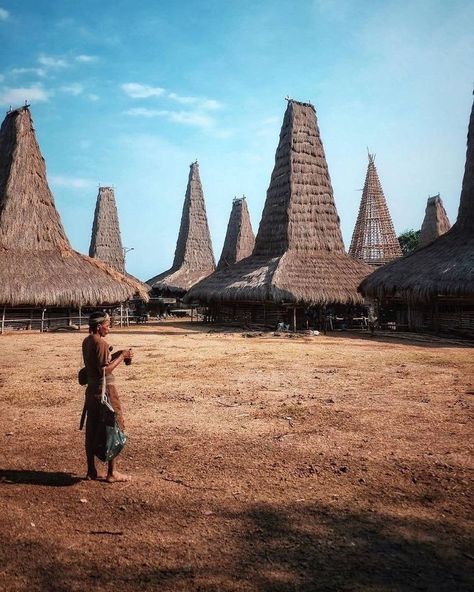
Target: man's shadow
x,y
51,479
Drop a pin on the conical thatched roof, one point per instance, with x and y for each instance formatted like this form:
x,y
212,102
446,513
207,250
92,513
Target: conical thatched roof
x,y
193,258
239,239
374,240
299,253
445,266
435,222
38,267
106,243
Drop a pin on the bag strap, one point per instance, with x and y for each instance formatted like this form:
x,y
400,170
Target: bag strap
x,y
103,396
104,399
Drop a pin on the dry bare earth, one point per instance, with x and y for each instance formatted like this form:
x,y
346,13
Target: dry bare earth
x,y
270,464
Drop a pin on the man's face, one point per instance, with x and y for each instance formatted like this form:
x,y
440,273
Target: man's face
x,y
104,328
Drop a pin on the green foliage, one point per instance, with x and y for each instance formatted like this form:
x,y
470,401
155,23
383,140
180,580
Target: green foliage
x,y
409,240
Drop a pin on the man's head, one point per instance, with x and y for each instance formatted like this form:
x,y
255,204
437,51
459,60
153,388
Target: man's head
x,y
99,322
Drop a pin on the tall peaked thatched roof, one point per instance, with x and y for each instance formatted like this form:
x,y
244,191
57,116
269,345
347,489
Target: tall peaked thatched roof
x,y
38,267
435,222
299,252
374,240
239,239
443,267
193,258
106,243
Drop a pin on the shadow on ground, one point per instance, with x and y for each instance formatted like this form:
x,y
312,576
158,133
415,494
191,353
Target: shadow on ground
x,y
52,479
303,547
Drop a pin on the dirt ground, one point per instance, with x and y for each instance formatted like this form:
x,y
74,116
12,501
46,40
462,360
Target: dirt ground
x,y
259,463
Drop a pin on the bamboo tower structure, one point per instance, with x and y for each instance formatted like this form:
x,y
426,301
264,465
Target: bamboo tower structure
x,y
106,243
193,258
38,267
437,278
435,222
299,257
374,240
240,239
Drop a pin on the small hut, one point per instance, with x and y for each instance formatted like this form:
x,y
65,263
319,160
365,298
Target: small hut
x,y
106,243
38,268
435,222
239,239
432,288
299,258
374,240
193,258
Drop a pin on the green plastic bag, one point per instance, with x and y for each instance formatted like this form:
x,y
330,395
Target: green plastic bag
x,y
115,441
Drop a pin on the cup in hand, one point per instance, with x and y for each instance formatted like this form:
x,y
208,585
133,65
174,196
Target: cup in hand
x,y
128,354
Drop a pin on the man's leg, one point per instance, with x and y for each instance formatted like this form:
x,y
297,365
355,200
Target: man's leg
x,y
113,476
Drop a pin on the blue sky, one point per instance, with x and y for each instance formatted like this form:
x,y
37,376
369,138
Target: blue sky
x,y
130,93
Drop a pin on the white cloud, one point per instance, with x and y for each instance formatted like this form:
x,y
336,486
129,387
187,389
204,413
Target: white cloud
x,y
17,96
93,97
141,91
204,104
71,182
192,118
4,14
37,71
52,62
142,112
2,77
86,59
72,89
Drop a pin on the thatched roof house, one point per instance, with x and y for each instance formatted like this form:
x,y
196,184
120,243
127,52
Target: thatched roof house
x,y
443,268
106,243
38,267
435,222
239,239
374,240
299,254
193,258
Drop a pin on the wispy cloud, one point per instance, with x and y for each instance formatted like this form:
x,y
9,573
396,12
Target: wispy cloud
x,y
52,62
4,14
72,89
37,71
71,182
86,59
193,118
93,97
17,96
200,103
141,91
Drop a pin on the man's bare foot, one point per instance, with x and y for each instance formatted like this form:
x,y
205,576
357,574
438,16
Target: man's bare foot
x,y
91,476
116,477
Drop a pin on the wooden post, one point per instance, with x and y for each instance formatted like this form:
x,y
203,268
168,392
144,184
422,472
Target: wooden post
x,y
80,317
30,324
121,314
192,311
42,320
127,320
3,320
294,319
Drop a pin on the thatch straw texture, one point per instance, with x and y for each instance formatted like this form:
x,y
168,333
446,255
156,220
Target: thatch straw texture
x,y
445,267
299,253
106,243
239,239
38,267
193,258
435,222
374,240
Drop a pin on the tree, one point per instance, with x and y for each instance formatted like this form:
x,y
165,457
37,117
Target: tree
x,y
409,240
